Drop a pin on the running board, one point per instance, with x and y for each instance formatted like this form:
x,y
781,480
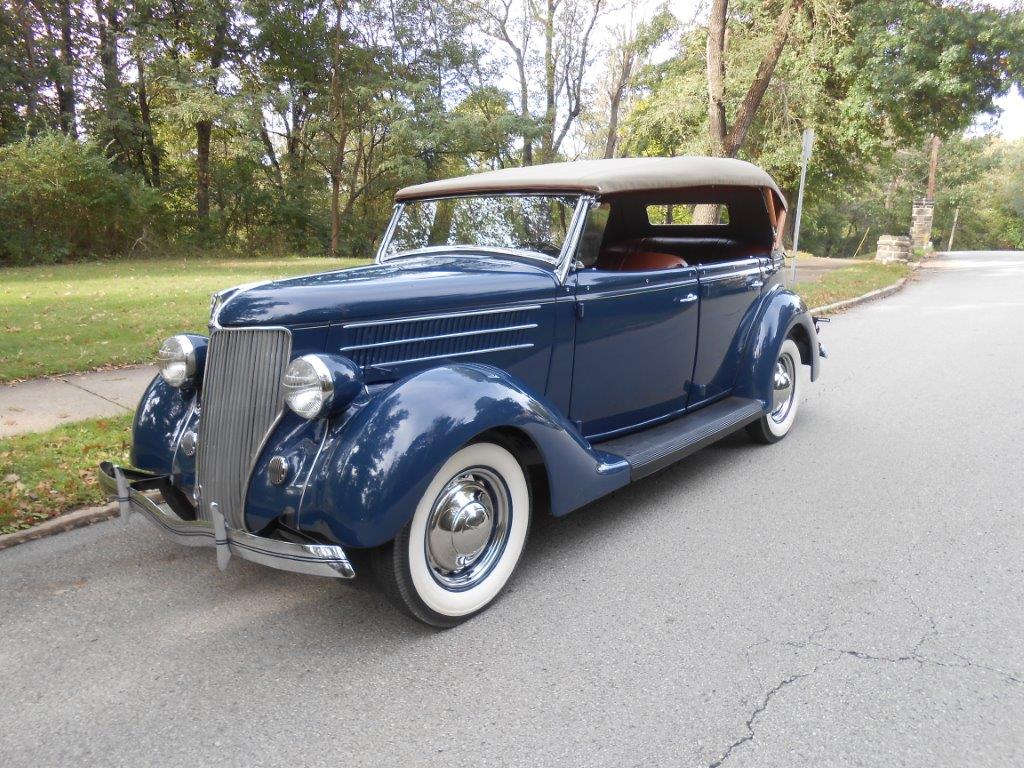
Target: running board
x,y
657,447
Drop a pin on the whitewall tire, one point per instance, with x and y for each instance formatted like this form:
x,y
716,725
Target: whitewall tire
x,y
786,391
464,540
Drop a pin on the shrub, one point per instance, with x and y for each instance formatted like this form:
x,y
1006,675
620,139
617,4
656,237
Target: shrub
x,y
61,200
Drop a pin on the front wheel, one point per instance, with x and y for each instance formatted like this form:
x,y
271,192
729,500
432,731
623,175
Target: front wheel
x,y
464,540
775,424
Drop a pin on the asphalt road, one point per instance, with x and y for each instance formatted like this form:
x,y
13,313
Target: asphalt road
x,y
851,596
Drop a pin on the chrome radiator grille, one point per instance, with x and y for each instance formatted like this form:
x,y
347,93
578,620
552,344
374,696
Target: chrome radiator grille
x,y
241,399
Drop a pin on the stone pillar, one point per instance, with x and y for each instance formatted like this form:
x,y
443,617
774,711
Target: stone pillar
x,y
921,223
893,248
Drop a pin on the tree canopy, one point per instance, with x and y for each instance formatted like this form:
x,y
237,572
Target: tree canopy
x,y
286,125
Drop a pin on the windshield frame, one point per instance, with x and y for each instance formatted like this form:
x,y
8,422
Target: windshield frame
x,y
557,262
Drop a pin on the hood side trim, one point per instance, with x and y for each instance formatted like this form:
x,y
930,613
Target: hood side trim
x,y
445,316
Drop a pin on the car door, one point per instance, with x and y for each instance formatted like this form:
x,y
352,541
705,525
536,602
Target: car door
x,y
728,301
635,343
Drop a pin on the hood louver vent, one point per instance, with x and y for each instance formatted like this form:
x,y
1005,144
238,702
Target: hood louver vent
x,y
409,340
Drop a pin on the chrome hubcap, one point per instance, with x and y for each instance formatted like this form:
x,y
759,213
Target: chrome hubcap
x,y
467,528
783,388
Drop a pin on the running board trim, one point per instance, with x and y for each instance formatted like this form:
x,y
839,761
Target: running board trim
x,y
653,449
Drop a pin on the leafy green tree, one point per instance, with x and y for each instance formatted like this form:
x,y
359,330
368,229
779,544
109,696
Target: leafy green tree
x,y
288,124
849,72
93,210
929,67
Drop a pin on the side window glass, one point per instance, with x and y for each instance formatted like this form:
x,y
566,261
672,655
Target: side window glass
x,y
593,235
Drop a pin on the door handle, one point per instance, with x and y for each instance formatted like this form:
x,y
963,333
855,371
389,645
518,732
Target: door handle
x,y
687,299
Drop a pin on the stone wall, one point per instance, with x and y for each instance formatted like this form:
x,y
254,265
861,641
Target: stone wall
x,y
921,223
893,248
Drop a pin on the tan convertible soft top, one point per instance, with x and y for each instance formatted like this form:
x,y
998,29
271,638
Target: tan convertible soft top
x,y
604,177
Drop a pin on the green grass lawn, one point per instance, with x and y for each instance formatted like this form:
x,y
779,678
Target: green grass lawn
x,y
79,317
850,282
48,473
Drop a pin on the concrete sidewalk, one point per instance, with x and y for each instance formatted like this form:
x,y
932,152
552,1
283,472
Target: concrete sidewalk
x,y
810,269
40,404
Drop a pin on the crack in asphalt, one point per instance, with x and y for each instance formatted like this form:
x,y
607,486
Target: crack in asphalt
x,y
913,656
995,670
749,736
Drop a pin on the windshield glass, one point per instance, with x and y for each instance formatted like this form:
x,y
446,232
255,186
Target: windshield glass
x,y
534,225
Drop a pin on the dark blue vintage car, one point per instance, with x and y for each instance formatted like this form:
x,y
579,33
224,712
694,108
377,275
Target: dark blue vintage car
x,y
527,341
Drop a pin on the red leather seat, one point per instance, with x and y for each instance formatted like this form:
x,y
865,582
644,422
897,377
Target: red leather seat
x,y
705,248
636,256
666,252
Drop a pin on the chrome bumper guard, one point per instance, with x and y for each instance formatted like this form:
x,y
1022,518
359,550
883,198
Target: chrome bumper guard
x,y
312,559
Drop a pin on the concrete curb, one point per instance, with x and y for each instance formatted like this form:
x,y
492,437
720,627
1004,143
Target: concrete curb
x,y
66,522
879,293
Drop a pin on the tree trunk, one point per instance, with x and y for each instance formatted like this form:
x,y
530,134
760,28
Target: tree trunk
x,y
332,251
717,129
339,123
147,124
548,139
615,104
524,109
106,33
613,127
204,130
268,145
68,103
106,24
752,101
30,84
890,192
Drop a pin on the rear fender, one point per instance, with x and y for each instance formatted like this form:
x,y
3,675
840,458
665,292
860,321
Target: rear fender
x,y
374,468
783,314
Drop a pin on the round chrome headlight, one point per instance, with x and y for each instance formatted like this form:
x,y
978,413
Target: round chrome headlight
x,y
308,387
177,360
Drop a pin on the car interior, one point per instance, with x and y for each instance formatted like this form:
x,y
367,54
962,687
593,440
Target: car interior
x,y
636,232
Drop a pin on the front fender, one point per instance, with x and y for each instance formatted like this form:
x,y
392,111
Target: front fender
x,y
375,467
783,313
162,416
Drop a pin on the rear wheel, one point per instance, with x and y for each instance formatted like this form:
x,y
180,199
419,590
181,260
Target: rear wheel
x,y
464,540
775,424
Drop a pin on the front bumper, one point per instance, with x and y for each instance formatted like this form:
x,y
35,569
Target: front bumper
x,y
309,558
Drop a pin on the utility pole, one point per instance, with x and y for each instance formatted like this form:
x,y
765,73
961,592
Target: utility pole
x,y
952,230
933,166
805,156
